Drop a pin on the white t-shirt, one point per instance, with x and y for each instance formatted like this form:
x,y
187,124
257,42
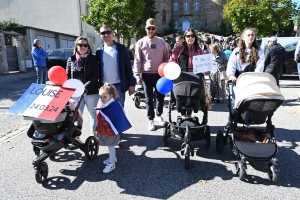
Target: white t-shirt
x,y
110,65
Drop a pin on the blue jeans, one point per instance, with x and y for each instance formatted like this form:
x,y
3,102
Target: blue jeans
x,y
91,102
41,73
298,66
121,94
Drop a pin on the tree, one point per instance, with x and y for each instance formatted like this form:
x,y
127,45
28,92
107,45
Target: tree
x,y
12,25
122,15
266,16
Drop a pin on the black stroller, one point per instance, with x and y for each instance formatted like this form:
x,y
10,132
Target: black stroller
x,y
57,134
139,96
189,96
257,98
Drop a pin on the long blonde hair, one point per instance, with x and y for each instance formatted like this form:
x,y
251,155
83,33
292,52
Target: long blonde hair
x,y
109,89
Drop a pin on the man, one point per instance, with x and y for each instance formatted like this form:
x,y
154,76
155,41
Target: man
x,y
115,66
179,39
150,52
39,60
297,57
274,59
228,51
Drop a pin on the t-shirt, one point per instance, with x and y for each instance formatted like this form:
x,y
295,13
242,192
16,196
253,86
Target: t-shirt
x,y
110,65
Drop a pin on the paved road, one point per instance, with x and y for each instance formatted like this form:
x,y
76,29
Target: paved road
x,y
146,169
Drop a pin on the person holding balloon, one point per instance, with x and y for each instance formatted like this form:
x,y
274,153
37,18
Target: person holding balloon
x,y
83,65
150,52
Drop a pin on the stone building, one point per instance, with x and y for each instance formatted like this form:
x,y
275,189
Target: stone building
x,y
197,14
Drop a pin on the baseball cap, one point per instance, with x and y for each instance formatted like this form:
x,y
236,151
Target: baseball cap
x,y
150,22
273,39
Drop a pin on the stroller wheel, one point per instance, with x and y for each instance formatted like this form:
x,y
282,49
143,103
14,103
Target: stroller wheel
x,y
240,171
207,136
41,172
219,142
166,134
137,102
187,158
273,173
91,147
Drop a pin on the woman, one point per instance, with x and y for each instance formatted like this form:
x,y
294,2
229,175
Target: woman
x,y
248,56
83,65
183,55
217,85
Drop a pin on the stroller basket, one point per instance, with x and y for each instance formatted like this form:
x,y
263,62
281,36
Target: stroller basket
x,y
257,150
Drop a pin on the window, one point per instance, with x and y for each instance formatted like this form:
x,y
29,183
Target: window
x,y
176,25
196,24
68,53
186,6
197,5
55,53
164,18
175,6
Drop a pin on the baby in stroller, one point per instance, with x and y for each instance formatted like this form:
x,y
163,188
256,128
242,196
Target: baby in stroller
x,y
48,137
189,97
257,98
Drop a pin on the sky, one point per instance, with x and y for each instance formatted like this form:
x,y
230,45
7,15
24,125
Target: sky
x,y
297,1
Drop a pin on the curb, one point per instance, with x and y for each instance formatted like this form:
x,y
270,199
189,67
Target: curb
x,y
13,134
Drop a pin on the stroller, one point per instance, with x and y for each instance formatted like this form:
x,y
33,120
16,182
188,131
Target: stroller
x,y
189,96
139,96
48,137
257,98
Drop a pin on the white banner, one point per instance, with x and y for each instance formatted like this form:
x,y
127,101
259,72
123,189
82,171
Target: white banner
x,y
202,63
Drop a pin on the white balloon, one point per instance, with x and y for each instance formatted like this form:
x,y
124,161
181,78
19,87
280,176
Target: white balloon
x,y
172,71
75,84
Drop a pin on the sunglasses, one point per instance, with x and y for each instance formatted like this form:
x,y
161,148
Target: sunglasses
x,y
152,29
106,32
82,45
190,36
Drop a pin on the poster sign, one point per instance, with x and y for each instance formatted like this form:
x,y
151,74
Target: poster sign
x,y
42,101
202,63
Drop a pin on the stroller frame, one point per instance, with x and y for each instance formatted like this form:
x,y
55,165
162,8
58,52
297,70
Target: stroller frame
x,y
236,146
48,146
203,130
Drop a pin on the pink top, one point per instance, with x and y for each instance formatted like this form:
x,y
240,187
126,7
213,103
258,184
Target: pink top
x,y
178,51
149,54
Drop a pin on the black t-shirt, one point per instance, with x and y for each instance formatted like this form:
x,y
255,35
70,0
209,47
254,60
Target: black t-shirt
x,y
183,60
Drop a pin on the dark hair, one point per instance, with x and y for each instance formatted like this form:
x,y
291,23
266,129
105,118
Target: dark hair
x,y
197,48
106,26
81,38
253,58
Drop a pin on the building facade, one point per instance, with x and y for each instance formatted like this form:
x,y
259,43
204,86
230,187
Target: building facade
x,y
204,15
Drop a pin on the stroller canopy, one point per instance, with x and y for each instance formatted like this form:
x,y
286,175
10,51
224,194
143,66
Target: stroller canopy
x,y
256,85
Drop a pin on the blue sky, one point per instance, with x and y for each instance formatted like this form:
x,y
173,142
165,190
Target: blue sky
x,y
297,1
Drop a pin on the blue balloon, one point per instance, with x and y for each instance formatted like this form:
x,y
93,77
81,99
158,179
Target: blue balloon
x,y
164,85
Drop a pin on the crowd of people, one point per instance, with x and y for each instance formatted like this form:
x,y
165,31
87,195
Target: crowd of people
x,y
116,69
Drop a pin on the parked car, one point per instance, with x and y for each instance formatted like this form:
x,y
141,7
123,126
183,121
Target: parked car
x,y
59,57
290,64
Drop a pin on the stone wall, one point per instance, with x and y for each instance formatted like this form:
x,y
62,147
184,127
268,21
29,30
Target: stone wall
x,y
3,58
160,6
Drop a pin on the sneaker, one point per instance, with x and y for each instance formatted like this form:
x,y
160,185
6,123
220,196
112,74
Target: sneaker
x,y
160,120
151,125
105,162
108,168
227,127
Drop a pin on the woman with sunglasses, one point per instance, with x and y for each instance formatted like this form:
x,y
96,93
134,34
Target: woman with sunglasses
x,y
83,65
183,55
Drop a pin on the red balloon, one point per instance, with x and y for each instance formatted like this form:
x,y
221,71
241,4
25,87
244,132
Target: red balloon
x,y
57,75
161,69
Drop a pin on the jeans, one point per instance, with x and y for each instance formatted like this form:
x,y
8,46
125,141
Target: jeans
x,y
121,94
41,73
298,66
149,82
91,102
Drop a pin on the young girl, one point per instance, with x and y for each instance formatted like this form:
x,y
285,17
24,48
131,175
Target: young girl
x,y
111,123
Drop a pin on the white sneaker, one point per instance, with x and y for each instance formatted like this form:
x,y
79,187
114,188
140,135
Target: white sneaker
x,y
160,120
151,125
108,168
105,162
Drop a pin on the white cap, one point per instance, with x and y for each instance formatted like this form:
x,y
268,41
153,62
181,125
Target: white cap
x,y
273,39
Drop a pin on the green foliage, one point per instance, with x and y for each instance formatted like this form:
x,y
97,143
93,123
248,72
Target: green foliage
x,y
122,15
12,25
266,16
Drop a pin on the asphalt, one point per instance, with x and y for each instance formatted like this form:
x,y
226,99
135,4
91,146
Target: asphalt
x,y
145,168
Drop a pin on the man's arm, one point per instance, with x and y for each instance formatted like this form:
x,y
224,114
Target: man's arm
x,y
138,63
